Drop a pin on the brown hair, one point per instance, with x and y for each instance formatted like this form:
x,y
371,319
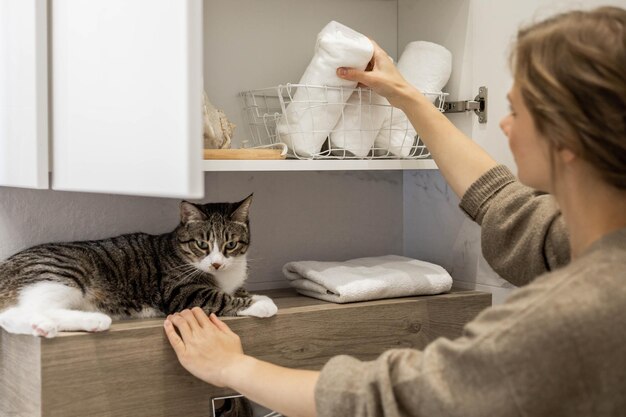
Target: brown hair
x,y
571,70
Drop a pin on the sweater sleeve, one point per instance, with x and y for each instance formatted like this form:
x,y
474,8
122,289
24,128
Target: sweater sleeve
x,y
523,234
411,383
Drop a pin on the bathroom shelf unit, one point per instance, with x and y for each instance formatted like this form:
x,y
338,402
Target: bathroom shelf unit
x,y
318,165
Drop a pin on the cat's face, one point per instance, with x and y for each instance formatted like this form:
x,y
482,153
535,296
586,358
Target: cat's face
x,y
214,237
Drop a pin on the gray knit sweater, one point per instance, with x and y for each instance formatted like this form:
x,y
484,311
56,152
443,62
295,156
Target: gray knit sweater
x,y
557,347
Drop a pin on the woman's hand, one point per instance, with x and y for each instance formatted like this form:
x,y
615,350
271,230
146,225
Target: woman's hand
x,y
383,77
206,346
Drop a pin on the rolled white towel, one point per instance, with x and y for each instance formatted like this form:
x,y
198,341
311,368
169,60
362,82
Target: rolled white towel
x,y
314,112
360,123
427,66
367,278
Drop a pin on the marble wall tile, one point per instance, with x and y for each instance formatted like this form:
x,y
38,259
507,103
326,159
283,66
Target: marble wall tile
x,y
436,230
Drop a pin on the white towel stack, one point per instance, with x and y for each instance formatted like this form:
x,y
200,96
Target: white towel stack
x,y
367,278
427,66
307,121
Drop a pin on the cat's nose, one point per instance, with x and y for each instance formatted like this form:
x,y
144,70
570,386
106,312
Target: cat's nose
x,y
216,265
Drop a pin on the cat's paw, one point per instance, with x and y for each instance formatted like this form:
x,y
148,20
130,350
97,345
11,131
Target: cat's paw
x,y
96,322
43,327
261,306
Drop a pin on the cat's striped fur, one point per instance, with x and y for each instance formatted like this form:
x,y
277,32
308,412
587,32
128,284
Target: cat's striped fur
x,y
201,263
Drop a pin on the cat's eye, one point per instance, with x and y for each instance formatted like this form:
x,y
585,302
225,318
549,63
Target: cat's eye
x,y
231,245
202,244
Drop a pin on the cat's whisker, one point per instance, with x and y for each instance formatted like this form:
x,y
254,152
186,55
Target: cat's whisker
x,y
247,260
182,276
184,271
187,275
194,274
183,266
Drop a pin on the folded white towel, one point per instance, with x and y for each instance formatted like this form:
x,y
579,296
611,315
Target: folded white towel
x,y
367,278
314,112
427,66
360,122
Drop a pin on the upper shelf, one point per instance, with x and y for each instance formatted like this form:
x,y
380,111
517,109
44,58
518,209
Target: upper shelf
x,y
318,165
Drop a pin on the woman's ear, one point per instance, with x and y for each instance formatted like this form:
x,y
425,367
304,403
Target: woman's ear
x,y
566,155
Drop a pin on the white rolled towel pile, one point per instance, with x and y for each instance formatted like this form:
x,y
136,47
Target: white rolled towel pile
x,y
313,112
427,66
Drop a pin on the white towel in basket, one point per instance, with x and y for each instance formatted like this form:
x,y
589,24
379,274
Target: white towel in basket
x,y
313,112
360,123
367,278
427,66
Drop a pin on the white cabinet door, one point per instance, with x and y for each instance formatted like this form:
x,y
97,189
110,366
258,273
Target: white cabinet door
x,y
23,94
126,96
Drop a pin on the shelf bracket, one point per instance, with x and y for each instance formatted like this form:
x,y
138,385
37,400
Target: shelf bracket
x,y
478,105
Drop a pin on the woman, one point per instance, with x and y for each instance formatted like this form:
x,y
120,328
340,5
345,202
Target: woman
x,y
558,344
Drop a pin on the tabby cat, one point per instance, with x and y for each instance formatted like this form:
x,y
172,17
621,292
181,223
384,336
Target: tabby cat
x,y
81,286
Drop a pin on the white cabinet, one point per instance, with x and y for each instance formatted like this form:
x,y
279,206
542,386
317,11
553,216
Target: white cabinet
x,y
23,94
126,96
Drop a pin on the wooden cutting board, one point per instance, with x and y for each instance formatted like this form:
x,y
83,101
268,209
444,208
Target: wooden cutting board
x,y
243,154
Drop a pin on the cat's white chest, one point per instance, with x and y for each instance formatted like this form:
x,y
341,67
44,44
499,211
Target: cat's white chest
x,y
233,277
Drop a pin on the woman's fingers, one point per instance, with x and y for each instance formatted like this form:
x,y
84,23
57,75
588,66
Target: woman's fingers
x,y
176,342
367,77
201,317
353,74
182,325
191,319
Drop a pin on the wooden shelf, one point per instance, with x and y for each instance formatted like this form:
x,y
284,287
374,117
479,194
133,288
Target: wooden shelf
x,y
132,371
317,165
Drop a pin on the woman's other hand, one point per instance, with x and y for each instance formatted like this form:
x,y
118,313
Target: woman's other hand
x,y
382,76
204,345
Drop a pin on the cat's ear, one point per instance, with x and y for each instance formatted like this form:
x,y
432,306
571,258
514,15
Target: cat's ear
x,y
240,214
190,213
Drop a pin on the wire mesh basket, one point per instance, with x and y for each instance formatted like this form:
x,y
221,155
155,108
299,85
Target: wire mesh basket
x,y
320,122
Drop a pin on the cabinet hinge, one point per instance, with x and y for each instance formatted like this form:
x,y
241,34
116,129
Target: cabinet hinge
x,y
478,105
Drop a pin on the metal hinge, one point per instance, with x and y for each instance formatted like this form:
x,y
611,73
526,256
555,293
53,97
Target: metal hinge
x,y
478,105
